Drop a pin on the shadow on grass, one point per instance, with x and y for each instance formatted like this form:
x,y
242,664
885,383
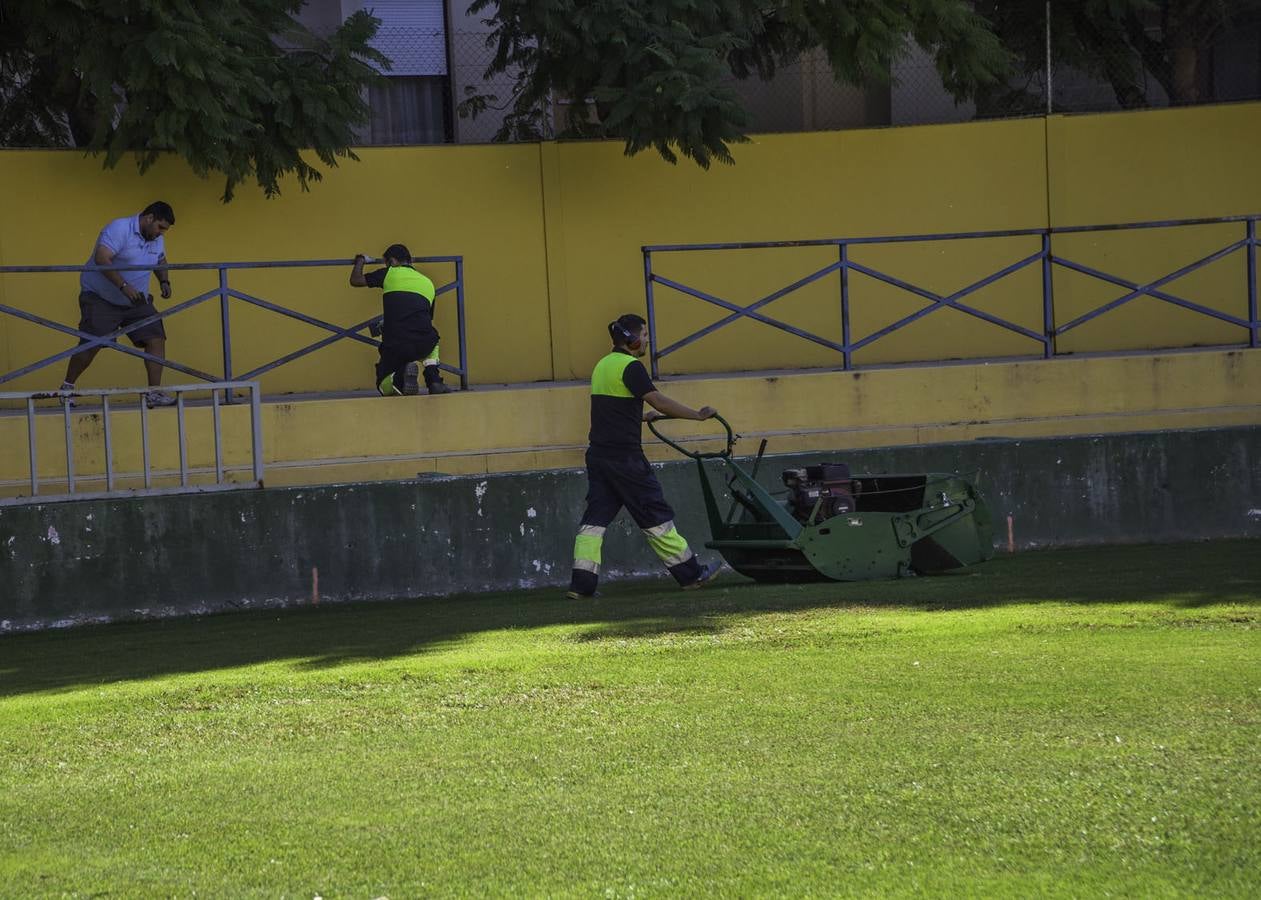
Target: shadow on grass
x,y
641,629
1172,575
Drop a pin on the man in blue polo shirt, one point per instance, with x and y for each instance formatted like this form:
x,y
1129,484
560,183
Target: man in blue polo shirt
x,y
114,299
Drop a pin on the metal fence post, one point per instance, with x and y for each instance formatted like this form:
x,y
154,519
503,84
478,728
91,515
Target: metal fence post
x,y
256,431
1050,92
218,427
109,444
69,451
30,438
144,443
1048,299
183,437
459,317
225,328
652,314
1253,325
847,355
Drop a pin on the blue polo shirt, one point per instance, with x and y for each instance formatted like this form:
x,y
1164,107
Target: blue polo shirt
x,y
130,249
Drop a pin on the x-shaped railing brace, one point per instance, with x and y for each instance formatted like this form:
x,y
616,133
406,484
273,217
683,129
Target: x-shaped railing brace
x,y
938,301
1151,289
111,340
107,340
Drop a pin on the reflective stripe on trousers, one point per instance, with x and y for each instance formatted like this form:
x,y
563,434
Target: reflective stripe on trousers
x,y
668,544
587,547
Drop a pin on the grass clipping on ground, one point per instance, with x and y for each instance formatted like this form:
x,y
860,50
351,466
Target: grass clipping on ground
x,y
1069,723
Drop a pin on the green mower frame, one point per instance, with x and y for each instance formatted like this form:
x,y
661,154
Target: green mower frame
x,y
899,525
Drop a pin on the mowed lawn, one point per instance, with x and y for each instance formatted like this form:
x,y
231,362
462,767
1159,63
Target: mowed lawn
x,y
1073,723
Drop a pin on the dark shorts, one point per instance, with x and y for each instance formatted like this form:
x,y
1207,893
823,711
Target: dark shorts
x,y
99,317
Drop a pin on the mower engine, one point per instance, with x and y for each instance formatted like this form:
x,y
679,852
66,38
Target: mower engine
x,y
817,493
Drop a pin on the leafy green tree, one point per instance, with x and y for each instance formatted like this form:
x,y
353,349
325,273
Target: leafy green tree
x,y
236,87
657,73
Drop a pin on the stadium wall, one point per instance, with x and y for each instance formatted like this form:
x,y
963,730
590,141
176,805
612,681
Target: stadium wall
x,y
92,561
551,234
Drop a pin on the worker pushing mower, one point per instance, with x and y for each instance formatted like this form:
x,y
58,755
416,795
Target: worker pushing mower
x,y
835,526
619,475
831,526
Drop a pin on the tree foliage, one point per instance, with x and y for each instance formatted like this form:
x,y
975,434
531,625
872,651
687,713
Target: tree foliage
x,y
658,73
241,89
236,87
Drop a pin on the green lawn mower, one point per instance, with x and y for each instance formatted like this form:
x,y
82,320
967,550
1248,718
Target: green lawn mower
x,y
832,525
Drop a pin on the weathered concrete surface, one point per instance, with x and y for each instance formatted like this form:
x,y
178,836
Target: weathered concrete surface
x,y
540,427
83,561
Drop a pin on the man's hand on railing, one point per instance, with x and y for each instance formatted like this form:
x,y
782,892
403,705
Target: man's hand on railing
x,y
356,271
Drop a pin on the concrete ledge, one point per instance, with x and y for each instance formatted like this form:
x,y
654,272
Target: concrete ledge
x,y
523,428
88,561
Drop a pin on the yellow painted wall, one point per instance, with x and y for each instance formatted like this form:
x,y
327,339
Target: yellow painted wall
x,y
482,202
545,426
1194,162
551,236
1190,162
792,187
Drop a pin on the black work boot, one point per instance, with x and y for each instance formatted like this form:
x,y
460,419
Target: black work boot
x,y
433,381
411,379
709,572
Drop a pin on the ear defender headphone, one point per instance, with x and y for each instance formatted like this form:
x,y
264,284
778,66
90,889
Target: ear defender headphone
x,y
621,334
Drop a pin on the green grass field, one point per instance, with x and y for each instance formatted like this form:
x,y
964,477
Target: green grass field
x,y
1076,723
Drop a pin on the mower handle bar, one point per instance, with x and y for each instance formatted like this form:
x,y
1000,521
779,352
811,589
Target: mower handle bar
x,y
696,454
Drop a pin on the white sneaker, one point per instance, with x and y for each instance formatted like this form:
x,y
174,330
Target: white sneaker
x,y
158,398
65,395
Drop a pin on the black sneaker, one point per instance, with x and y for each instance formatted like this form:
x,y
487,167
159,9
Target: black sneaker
x,y
579,595
155,398
411,379
439,387
709,572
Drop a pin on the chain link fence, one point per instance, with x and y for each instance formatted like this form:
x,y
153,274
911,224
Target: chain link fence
x,y
466,107
437,91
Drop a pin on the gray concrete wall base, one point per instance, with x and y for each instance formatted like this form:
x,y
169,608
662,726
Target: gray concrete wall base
x,y
105,560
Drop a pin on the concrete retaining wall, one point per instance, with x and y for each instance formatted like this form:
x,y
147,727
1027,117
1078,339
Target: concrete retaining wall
x,y
84,561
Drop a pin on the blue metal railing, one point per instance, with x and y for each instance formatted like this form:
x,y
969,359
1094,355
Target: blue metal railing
x,y
1045,257
191,479
225,293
